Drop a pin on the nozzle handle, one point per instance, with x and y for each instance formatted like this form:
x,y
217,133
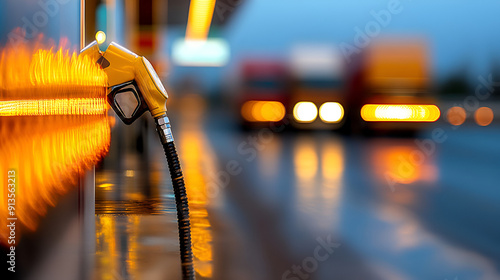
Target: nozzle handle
x,y
132,87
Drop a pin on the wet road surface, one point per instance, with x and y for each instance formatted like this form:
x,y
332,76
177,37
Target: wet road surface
x,y
307,205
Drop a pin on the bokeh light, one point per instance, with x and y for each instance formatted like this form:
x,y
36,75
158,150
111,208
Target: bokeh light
x,y
456,115
263,111
397,112
483,116
305,111
331,112
100,37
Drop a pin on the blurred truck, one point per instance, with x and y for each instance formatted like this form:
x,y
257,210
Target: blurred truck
x,y
389,88
317,95
263,92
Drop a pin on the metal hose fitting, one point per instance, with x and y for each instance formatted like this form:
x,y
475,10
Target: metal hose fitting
x,y
163,128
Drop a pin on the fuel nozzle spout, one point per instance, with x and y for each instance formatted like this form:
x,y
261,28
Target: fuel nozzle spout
x,y
125,70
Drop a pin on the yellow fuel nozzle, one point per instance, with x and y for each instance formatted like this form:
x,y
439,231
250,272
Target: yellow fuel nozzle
x,y
127,71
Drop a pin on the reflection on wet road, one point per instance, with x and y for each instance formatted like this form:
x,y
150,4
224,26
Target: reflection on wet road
x,y
395,211
46,155
136,224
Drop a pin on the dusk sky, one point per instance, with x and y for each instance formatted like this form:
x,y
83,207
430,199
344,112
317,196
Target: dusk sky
x,y
461,34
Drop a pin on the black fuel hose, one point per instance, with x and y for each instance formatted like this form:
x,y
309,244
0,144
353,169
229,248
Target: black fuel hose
x,y
181,199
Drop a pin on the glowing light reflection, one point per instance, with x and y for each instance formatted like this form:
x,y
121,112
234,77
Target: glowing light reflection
x,y
399,113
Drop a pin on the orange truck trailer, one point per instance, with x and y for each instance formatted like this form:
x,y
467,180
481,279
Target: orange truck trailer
x,y
389,87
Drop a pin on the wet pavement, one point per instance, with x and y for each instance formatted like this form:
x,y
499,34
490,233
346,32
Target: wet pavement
x,y
306,205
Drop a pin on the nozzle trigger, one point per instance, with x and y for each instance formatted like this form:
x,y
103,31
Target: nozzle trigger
x,y
122,99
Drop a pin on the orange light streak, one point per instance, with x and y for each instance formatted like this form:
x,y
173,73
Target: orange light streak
x,y
43,107
53,127
263,111
199,20
400,113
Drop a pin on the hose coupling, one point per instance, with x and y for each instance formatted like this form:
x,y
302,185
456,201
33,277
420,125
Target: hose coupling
x,y
164,129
